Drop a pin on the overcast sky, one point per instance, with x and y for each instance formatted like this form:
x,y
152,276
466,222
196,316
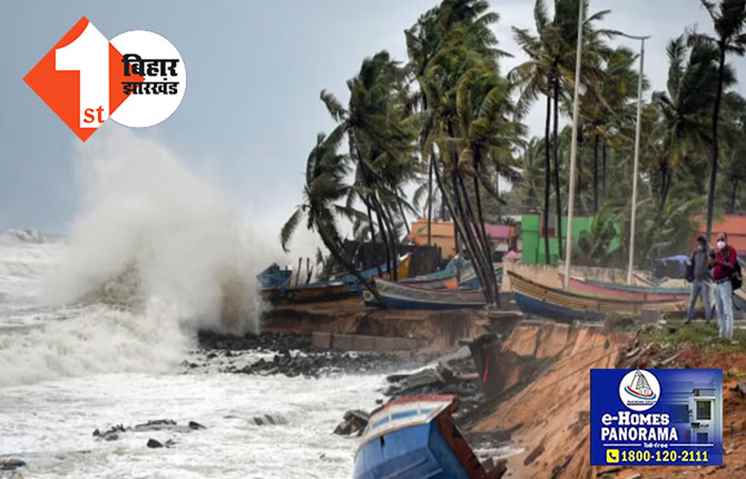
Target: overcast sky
x,y
251,111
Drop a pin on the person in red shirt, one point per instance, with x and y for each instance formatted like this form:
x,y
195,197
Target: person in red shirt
x,y
723,264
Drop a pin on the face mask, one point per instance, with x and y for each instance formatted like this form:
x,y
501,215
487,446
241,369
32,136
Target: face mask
x,y
721,244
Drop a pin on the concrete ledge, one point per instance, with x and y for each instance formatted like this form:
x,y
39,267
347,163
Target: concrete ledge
x,y
321,340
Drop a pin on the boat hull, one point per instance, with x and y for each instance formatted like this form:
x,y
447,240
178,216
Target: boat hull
x,y
537,299
414,437
399,296
308,294
411,453
631,293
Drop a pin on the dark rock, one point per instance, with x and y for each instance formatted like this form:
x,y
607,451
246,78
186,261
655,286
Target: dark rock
x,y
156,425
269,420
354,422
11,464
111,434
195,425
294,356
153,444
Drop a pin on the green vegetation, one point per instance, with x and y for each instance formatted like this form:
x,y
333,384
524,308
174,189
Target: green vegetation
x,y
698,333
448,122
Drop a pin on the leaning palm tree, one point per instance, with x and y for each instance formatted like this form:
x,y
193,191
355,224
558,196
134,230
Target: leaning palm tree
x,y
692,88
381,137
325,186
728,18
462,42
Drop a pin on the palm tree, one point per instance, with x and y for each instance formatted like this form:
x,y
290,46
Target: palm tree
x,y
692,87
734,136
606,106
463,56
381,137
325,186
549,71
728,18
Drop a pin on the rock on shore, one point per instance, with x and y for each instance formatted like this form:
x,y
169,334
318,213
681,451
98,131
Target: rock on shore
x,y
292,356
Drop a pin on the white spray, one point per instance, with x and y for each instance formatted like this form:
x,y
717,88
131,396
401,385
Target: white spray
x,y
195,266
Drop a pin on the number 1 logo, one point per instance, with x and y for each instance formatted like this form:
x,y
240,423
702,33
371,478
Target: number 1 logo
x,y
88,54
84,79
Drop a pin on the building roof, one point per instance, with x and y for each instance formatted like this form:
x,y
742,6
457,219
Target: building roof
x,y
733,225
445,229
499,231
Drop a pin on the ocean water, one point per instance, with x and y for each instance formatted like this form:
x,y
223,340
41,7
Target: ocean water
x,y
67,370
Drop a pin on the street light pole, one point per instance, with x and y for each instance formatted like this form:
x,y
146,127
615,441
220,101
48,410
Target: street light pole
x,y
633,219
573,147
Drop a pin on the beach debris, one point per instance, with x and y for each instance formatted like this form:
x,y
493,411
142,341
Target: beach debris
x,y
269,420
115,432
153,444
11,464
195,425
156,425
740,388
354,422
111,434
414,383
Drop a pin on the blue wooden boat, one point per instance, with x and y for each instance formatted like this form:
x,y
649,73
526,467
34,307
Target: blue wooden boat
x,y
402,296
415,437
308,294
341,287
450,271
274,277
540,300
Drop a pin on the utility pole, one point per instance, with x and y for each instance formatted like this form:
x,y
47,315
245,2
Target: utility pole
x,y
574,146
633,218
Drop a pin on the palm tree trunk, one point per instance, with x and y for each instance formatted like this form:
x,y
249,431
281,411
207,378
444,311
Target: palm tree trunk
x,y
555,142
472,241
595,174
403,216
384,235
334,250
430,198
393,239
372,232
603,169
460,227
547,176
715,146
491,280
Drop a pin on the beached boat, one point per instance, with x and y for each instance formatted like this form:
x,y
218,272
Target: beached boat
x,y
401,296
274,277
308,294
449,278
443,279
415,437
353,282
628,292
341,287
540,300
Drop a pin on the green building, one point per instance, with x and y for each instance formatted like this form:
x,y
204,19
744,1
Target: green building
x,y
532,242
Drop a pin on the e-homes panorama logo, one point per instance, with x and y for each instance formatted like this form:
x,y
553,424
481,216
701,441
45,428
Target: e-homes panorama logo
x,y
639,390
137,79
